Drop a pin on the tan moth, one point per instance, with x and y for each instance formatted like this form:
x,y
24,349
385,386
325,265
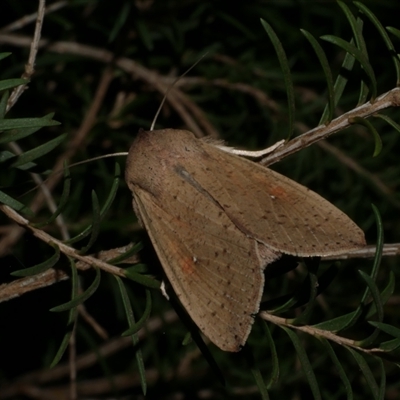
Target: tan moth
x,y
217,220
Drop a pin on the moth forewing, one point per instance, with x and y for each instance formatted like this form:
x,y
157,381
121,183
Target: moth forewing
x,y
217,276
274,209
216,220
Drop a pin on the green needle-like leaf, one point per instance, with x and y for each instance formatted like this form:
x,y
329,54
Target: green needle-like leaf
x,y
359,40
95,224
15,205
82,297
370,127
305,363
11,83
274,357
19,123
362,7
135,340
286,74
328,76
135,326
44,266
104,209
351,49
339,366
369,377
73,312
39,151
63,200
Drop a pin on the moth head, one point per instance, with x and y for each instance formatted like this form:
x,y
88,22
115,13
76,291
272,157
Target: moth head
x,y
154,153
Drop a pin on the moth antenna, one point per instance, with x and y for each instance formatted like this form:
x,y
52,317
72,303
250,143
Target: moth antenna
x,y
169,89
122,153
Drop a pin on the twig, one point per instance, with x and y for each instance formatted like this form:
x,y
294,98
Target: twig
x,y
254,92
21,286
27,19
386,100
69,251
30,66
389,250
197,112
92,322
311,330
35,206
29,70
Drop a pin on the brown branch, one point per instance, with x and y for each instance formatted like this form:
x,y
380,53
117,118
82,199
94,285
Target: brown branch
x,y
389,250
30,66
69,251
21,286
27,19
386,100
311,330
262,98
7,242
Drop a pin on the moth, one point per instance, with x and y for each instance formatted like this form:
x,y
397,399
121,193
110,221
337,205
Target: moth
x,y
216,220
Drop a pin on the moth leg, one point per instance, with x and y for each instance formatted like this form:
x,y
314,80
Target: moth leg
x,y
163,289
249,153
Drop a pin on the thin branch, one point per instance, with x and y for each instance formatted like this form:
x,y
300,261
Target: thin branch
x,y
30,66
92,322
27,19
262,98
46,196
311,330
386,100
17,92
21,286
69,251
389,250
